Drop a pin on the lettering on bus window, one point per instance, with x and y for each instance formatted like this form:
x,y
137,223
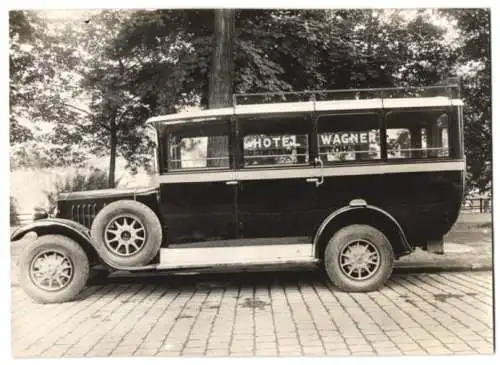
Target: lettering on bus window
x,y
275,141
275,149
348,137
417,134
199,146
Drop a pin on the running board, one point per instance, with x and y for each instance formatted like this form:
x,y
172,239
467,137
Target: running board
x,y
238,242
203,257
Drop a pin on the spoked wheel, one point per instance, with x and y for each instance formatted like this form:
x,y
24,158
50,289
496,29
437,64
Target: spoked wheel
x,y
359,258
53,269
128,234
125,235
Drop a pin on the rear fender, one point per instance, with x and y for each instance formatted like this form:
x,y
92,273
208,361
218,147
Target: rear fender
x,y
358,211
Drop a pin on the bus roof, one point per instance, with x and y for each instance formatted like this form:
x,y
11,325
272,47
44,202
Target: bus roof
x,y
304,107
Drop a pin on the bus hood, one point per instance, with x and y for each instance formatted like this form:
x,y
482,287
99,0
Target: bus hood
x,y
107,193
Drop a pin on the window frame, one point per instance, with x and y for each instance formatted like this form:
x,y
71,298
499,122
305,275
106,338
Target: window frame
x,y
309,126
236,136
166,156
450,128
380,123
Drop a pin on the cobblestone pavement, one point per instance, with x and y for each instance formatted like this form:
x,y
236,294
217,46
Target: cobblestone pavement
x,y
260,314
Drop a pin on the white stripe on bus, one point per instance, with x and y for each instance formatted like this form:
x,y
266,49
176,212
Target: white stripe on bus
x,y
308,172
213,256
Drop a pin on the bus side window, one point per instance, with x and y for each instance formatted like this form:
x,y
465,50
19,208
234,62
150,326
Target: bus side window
x,y
417,134
275,141
200,145
348,137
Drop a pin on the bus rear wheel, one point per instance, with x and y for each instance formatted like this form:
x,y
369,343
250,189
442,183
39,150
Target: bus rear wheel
x,y
359,258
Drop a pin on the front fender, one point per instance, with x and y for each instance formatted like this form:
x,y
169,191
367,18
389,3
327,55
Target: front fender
x,y
51,225
65,227
77,232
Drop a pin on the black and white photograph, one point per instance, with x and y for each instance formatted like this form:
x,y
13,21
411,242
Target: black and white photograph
x,y
228,182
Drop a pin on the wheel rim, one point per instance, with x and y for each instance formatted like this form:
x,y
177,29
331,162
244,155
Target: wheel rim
x,y
51,270
359,259
125,235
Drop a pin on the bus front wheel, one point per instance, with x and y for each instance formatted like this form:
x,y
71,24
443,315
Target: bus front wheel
x,y
53,269
358,258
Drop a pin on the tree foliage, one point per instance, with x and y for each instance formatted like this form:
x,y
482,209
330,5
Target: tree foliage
x,y
84,180
41,82
474,65
116,114
124,66
68,76
282,50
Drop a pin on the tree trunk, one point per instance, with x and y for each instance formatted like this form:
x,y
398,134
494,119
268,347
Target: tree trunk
x,y
221,81
112,159
220,89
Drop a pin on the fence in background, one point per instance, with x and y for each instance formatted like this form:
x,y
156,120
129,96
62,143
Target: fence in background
x,y
25,218
478,205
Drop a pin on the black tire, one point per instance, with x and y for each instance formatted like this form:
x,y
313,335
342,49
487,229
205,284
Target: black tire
x,y
344,242
55,247
115,251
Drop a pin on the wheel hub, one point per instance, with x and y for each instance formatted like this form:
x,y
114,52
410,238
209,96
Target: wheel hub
x,y
359,259
51,270
126,235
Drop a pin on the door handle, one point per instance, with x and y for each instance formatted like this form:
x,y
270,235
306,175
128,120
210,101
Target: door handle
x,y
315,180
321,178
232,182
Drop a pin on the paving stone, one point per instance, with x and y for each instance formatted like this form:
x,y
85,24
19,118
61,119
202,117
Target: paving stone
x,y
394,351
301,318
383,344
414,352
100,351
356,341
338,352
450,340
437,350
338,345
458,347
266,353
168,354
55,351
219,353
363,353
408,346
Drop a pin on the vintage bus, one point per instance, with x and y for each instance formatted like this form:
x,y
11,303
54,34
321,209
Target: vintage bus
x,y
347,180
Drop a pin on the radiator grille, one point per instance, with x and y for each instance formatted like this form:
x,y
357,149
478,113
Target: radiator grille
x,y
84,213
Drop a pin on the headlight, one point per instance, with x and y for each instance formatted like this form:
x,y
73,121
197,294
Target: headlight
x,y
40,213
